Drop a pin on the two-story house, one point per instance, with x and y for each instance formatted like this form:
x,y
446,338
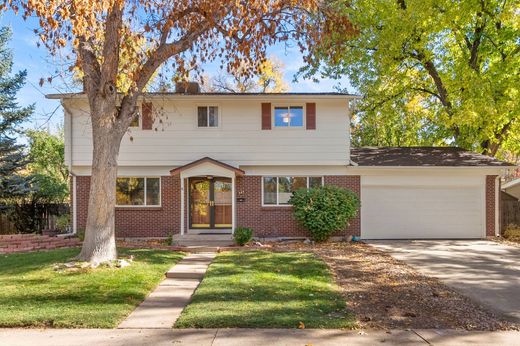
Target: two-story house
x,y
209,162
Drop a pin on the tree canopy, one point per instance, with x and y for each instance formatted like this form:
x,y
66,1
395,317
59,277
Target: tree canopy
x,y
13,183
99,38
47,165
432,72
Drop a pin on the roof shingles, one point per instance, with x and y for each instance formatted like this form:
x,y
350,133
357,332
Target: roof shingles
x,y
422,156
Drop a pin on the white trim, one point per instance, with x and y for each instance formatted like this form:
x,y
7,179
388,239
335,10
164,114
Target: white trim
x,y
484,208
233,205
230,96
511,183
182,206
497,206
289,105
74,206
144,206
207,105
277,184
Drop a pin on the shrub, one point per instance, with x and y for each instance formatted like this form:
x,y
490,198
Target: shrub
x,y
81,234
63,222
324,210
242,235
512,232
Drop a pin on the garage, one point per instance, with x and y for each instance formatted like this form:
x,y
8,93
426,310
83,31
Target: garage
x,y
410,207
427,192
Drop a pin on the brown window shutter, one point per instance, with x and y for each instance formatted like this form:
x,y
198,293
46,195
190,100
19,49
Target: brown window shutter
x,y
266,116
146,116
310,117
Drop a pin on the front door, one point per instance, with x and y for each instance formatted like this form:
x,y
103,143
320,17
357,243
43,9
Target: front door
x,y
210,203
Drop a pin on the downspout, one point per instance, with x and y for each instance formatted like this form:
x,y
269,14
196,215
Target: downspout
x,y
497,206
71,174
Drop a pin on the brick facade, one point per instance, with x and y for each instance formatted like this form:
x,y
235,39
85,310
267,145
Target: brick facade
x,y
279,221
490,204
265,221
139,221
165,220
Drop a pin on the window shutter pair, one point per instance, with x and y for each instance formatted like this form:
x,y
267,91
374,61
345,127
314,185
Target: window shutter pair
x,y
146,115
310,116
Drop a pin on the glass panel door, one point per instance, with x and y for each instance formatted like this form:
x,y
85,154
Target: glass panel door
x,y
222,198
211,203
200,214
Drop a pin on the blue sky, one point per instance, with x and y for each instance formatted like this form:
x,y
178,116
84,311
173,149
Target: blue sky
x,y
39,65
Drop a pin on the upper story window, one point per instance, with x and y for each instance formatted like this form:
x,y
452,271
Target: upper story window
x,y
138,191
207,116
136,122
288,116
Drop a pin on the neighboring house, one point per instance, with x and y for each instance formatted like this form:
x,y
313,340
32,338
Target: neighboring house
x,y
209,162
512,188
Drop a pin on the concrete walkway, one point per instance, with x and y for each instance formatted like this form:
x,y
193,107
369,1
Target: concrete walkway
x,y
486,271
164,305
250,337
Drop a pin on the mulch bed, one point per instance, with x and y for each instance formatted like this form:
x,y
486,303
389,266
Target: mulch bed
x,y
502,240
385,293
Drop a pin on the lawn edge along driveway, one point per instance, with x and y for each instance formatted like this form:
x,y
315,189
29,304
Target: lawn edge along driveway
x,y
263,289
33,294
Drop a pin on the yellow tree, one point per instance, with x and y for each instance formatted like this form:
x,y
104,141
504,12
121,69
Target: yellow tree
x,y
185,33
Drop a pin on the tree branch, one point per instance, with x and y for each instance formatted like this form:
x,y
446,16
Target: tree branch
x,y
110,64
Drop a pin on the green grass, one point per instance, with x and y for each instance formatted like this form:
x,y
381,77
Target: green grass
x,y
33,294
261,289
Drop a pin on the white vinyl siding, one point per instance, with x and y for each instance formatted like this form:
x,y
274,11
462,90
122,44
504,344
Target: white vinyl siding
x,y
237,140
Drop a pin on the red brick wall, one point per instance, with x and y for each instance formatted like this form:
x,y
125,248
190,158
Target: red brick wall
x,y
279,221
490,204
139,221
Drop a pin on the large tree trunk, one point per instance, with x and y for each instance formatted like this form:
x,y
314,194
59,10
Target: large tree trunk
x,y
99,244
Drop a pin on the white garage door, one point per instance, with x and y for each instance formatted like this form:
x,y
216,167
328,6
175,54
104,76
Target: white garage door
x,y
419,208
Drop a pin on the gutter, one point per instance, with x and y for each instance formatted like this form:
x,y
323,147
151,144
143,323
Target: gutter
x,y
71,174
497,206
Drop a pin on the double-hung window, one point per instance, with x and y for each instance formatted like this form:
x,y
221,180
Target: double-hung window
x,y
136,121
207,116
138,191
288,116
278,190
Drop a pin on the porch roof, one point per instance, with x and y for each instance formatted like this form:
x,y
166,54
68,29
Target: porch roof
x,y
203,160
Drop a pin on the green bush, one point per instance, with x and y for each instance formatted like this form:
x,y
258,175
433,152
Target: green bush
x,y
62,222
242,235
512,232
324,210
81,234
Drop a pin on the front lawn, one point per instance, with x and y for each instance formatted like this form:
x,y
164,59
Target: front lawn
x,y
261,289
33,294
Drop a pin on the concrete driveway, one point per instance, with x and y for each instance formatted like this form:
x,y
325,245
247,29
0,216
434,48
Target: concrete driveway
x,y
485,271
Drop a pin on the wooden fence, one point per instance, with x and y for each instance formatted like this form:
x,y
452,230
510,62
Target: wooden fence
x,y
510,213
46,216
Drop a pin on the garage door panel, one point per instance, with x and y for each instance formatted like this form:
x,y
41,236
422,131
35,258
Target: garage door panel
x,y
414,212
